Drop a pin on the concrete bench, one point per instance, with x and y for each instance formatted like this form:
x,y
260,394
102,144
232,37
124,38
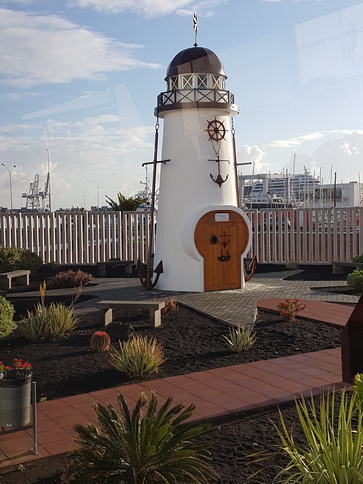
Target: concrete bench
x,y
7,277
113,265
338,267
154,308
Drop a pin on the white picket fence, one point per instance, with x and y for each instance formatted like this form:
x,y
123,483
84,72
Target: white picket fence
x,y
281,236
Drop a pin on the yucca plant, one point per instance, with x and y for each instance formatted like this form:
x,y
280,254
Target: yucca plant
x,y
240,339
48,322
139,356
159,447
332,452
358,389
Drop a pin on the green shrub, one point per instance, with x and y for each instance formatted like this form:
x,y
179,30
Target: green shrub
x,y
12,259
143,446
240,339
139,356
355,281
358,258
48,322
7,311
69,279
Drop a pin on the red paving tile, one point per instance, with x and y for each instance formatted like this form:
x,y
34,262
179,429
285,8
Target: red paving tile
x,y
337,314
27,456
71,420
60,446
215,392
52,435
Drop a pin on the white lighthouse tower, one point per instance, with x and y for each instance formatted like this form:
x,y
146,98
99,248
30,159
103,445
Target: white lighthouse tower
x,y
202,236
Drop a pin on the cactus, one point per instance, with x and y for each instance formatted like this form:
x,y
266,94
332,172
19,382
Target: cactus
x,y
100,341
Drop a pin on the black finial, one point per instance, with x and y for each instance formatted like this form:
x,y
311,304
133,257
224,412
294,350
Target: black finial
x,y
195,27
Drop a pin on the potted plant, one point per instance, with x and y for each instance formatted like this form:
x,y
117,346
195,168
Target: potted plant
x,y
15,394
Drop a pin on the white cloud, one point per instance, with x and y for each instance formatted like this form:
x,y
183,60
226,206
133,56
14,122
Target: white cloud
x,y
346,147
38,49
143,7
148,8
285,143
298,141
98,137
87,153
254,154
337,150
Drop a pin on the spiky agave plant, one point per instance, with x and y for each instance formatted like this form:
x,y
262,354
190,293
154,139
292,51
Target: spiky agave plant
x,y
332,452
330,448
130,449
240,339
138,356
48,322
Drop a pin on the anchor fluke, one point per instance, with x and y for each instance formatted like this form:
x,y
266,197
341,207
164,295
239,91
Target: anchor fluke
x,y
145,274
219,180
249,267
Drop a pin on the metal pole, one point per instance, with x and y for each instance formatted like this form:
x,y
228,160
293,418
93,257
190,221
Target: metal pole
x,y
152,208
50,200
10,184
239,201
34,418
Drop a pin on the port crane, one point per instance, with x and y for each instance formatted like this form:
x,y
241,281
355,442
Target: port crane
x,y
36,199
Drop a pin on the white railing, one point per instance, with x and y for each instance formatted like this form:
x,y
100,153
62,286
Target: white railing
x,y
80,237
310,236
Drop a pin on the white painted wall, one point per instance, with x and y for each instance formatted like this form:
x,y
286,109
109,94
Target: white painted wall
x,y
186,189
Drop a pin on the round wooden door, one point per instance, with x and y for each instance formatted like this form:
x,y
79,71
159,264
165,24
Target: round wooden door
x,y
221,237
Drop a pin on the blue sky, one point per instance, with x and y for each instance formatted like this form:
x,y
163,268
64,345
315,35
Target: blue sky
x,y
80,79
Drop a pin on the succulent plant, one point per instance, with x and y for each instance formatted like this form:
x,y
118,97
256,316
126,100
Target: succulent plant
x,y
100,341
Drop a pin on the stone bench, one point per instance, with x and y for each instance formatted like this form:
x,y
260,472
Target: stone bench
x,y
154,308
338,267
7,277
105,267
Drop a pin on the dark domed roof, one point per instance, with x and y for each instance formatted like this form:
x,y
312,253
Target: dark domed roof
x,y
195,60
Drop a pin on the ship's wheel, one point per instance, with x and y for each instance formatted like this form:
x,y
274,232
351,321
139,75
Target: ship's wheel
x,y
216,130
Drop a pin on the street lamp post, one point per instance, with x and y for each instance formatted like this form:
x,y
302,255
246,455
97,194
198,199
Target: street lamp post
x,y
10,184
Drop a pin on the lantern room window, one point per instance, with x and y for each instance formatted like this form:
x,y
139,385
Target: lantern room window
x,y
202,81
187,81
217,82
173,83
196,81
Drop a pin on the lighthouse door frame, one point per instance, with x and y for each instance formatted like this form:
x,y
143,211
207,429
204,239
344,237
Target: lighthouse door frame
x,y
222,237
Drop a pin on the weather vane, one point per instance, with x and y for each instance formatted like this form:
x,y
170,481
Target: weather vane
x,y
195,27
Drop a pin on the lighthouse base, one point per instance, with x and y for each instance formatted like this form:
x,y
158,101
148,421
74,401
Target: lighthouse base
x,y
207,253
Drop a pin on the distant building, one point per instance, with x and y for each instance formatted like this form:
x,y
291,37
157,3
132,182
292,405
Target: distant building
x,y
301,190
